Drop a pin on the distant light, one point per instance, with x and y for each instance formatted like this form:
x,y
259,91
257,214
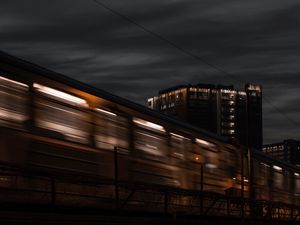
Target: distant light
x,y
234,178
179,136
228,91
277,168
246,180
296,174
13,82
106,112
148,124
252,87
60,94
197,158
203,142
210,166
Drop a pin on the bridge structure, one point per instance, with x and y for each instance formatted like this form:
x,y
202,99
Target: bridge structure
x,y
85,156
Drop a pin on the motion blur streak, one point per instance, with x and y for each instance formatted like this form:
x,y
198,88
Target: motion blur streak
x,y
10,115
106,112
13,82
179,136
203,142
149,124
13,104
60,94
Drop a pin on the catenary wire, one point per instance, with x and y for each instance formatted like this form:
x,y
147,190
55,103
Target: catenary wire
x,y
188,53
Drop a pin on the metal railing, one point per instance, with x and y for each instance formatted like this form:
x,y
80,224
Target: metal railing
x,y
31,187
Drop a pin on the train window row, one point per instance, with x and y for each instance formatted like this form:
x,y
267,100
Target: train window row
x,y
111,130
69,117
13,102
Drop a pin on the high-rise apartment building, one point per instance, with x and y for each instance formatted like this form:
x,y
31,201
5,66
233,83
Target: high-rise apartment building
x,y
288,150
220,109
254,114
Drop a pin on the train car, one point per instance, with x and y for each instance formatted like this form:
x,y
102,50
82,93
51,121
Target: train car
x,y
56,125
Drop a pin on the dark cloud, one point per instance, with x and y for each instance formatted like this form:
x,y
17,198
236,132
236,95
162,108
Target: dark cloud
x,y
257,41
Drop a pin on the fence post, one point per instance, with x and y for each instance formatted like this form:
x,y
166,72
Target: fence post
x,y
228,207
242,184
53,191
166,201
201,190
116,177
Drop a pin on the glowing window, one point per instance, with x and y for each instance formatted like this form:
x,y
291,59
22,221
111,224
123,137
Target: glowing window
x,y
148,124
60,95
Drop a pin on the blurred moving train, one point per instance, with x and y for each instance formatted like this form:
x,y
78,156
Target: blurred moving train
x,y
53,123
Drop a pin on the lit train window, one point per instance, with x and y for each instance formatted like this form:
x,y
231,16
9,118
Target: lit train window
x,y
180,146
297,183
149,139
148,125
65,121
211,161
278,177
228,163
59,95
13,103
111,130
149,143
205,143
264,175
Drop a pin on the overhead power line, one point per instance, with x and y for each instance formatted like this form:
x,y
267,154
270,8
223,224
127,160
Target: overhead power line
x,y
162,38
187,52
280,112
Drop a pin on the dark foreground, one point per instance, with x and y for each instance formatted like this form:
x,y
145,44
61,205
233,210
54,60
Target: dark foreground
x,y
34,215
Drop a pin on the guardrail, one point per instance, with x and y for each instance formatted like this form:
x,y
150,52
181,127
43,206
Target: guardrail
x,y
18,185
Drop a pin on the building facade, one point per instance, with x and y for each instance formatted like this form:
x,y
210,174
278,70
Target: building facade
x,y
288,151
220,109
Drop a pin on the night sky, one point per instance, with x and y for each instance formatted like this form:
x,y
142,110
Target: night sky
x,y
256,40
